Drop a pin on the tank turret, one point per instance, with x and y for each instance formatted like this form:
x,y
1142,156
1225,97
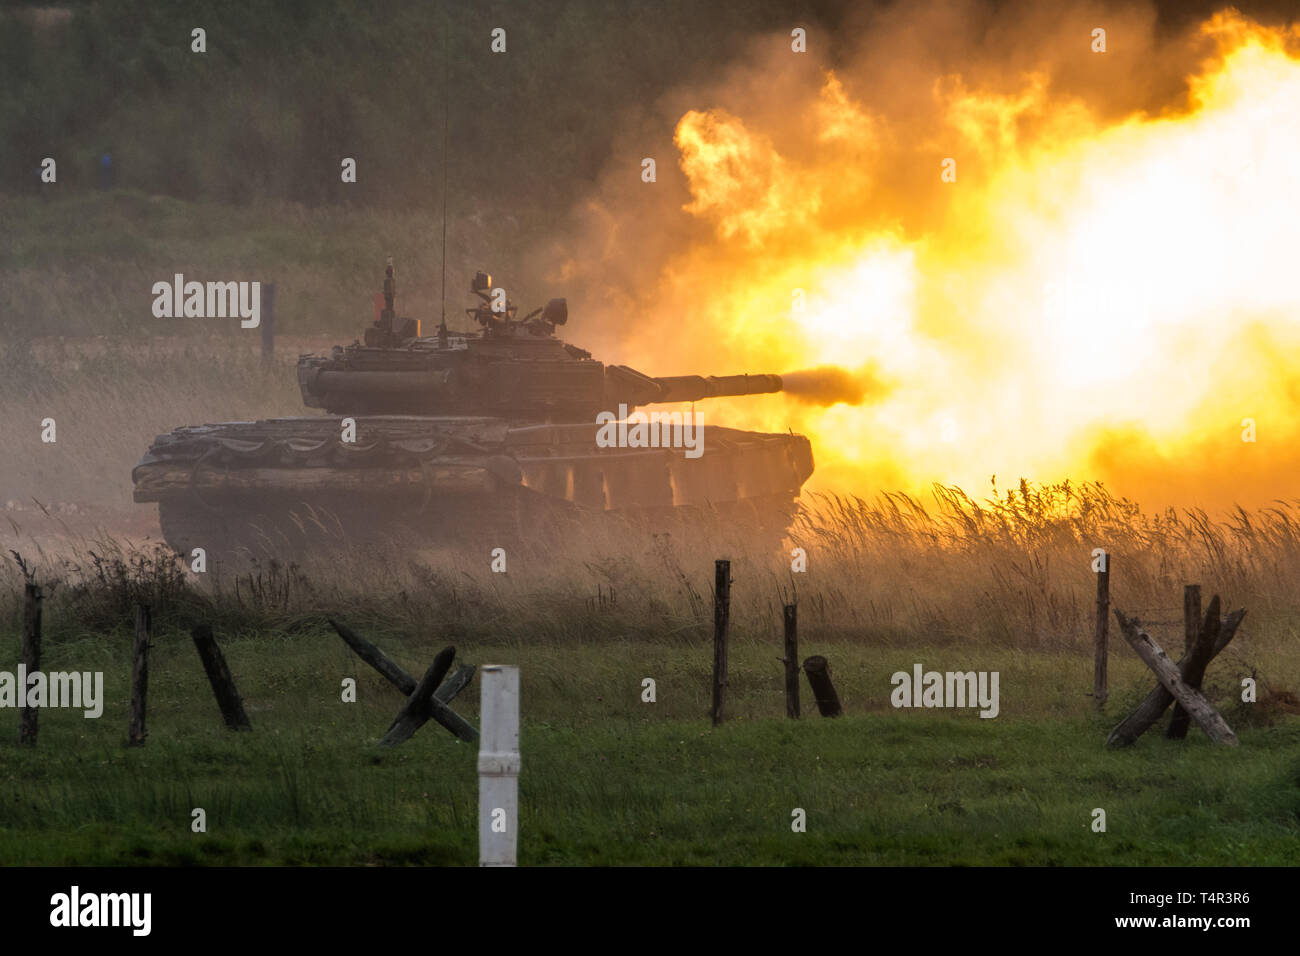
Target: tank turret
x,y
508,366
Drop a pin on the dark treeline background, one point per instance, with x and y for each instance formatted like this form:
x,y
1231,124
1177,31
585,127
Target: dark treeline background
x,y
287,89
228,162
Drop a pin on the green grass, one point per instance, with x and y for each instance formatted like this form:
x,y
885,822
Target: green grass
x,y
609,779
84,264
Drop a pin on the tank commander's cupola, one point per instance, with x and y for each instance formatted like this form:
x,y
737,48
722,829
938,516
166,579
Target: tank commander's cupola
x,y
389,331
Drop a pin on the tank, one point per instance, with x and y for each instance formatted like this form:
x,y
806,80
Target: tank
x,y
469,438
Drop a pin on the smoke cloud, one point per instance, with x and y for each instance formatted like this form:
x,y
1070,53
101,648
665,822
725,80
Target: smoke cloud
x,y
827,385
1099,290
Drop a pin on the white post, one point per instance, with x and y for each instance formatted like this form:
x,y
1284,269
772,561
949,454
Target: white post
x,y
498,766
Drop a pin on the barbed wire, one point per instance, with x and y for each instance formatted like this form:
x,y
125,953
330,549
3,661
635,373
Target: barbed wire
x,y
1145,623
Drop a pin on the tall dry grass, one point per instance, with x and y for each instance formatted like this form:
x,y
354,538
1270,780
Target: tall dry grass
x,y
1016,568
109,399
1013,571
1010,569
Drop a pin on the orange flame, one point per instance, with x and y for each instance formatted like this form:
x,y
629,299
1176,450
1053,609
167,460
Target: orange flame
x,y
1094,296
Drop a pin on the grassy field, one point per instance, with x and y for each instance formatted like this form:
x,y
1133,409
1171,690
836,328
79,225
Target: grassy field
x,y
608,778
84,265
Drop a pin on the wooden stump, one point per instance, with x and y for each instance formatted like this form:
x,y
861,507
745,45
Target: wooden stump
x,y
818,670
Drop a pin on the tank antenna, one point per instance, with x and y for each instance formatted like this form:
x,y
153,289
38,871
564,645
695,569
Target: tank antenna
x,y
446,99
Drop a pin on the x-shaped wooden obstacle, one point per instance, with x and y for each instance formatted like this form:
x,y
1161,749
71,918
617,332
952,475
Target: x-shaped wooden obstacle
x,y
1181,682
425,700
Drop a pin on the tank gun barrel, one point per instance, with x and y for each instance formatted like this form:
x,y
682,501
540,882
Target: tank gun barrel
x,y
628,386
692,388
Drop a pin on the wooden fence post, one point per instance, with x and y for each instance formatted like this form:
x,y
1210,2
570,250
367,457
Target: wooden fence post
x,y
721,621
790,613
1191,616
498,766
1100,690
818,670
268,323
28,722
140,675
1192,624
223,684
1201,637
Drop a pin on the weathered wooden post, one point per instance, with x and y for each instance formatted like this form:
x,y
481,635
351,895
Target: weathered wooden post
x,y
28,716
1191,616
268,323
376,658
818,670
1215,634
1100,690
790,614
721,621
219,676
498,766
419,704
140,675
1173,679
1199,637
